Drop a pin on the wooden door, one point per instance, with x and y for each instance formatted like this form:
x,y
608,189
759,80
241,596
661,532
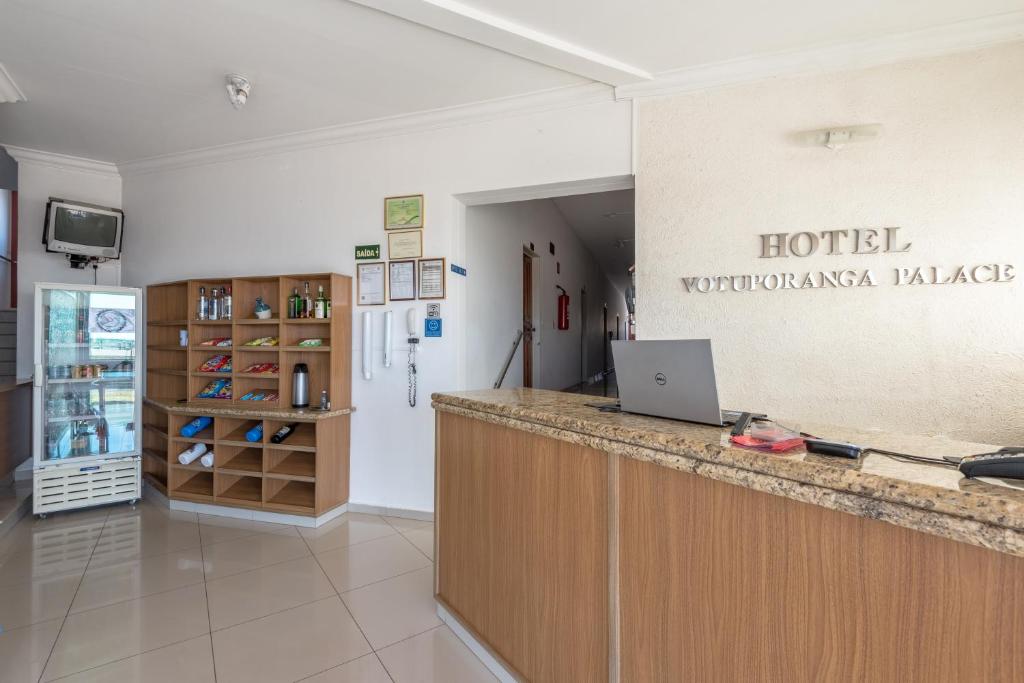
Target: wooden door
x,y
528,328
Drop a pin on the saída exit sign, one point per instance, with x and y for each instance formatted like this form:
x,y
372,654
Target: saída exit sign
x,y
367,252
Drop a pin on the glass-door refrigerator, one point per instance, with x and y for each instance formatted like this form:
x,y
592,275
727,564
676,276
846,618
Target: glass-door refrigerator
x,y
88,397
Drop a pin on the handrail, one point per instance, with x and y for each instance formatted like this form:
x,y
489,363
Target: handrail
x,y
508,359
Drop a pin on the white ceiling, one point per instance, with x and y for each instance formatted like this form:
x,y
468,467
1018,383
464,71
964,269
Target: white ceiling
x,y
601,220
121,80
663,35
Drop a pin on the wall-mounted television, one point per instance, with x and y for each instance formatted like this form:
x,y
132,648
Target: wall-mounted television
x,y
83,231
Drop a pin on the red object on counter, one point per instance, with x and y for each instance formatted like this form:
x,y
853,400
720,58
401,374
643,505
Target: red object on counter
x,y
768,446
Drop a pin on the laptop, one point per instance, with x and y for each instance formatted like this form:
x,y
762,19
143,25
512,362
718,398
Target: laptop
x,y
671,378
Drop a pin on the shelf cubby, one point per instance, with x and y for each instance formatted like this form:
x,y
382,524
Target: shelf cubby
x,y
248,332
288,495
191,484
244,385
294,331
319,375
232,430
202,331
239,488
288,464
302,439
176,422
244,293
239,459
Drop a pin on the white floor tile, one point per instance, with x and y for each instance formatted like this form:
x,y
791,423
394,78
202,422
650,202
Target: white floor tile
x,y
365,563
423,539
109,579
104,635
251,552
436,656
395,609
349,529
40,600
23,651
259,592
289,645
366,669
188,662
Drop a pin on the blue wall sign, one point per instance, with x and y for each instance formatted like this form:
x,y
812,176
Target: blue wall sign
x,y
432,327
458,270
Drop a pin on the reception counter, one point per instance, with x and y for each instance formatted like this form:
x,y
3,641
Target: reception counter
x,y
579,545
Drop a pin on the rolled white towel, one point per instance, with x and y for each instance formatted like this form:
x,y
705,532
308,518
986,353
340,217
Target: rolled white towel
x,y
196,450
207,459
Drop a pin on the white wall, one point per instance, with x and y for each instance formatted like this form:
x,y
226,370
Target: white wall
x,y
716,169
6,206
495,236
305,210
37,182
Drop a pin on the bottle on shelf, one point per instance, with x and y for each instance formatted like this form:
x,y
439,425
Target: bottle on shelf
x,y
79,440
103,436
307,302
284,432
225,302
215,304
255,434
202,305
293,303
195,426
321,303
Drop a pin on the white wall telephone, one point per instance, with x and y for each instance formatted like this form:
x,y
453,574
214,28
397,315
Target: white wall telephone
x,y
412,323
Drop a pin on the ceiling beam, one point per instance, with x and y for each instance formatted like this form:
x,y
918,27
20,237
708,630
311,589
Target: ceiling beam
x,y
496,32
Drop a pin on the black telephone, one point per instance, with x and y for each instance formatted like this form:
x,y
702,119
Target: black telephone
x,y
1007,463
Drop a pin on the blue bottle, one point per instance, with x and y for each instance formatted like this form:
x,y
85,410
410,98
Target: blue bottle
x,y
195,426
255,434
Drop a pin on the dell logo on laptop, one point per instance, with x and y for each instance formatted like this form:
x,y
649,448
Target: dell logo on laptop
x,y
660,379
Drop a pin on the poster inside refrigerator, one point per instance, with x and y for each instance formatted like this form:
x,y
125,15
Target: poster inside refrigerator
x,y
87,397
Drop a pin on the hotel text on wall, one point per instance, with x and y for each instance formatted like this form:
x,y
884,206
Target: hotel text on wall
x,y
852,241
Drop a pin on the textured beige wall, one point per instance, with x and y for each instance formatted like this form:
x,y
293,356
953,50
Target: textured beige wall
x,y
717,169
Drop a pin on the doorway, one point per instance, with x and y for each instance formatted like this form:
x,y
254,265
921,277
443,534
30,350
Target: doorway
x,y
564,256
528,328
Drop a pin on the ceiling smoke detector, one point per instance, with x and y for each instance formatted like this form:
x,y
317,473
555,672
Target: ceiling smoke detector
x,y
238,90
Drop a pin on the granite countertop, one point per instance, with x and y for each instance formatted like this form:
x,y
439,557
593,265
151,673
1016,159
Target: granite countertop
x,y
937,500
235,410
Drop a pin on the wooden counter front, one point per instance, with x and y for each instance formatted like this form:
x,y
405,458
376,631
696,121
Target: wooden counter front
x,y
573,555
722,583
522,555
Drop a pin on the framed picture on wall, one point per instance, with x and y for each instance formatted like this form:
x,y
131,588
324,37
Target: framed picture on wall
x,y
370,284
402,280
403,213
404,244
432,273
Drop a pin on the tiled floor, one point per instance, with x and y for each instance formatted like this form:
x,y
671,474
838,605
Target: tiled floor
x,y
116,594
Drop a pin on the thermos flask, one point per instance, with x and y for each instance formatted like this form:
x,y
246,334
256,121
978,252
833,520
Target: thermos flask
x,y
300,386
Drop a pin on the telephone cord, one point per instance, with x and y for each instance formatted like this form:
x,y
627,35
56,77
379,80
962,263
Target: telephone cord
x,y
412,375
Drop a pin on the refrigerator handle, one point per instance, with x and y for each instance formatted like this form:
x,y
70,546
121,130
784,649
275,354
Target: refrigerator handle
x,y
37,376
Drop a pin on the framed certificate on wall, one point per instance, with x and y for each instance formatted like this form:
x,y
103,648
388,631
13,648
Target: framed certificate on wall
x,y
403,213
404,244
402,280
370,283
432,278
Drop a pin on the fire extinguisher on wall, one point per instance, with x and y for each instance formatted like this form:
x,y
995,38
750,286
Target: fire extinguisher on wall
x,y
563,309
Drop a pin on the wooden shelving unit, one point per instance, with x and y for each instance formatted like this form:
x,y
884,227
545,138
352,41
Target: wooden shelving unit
x,y
308,473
